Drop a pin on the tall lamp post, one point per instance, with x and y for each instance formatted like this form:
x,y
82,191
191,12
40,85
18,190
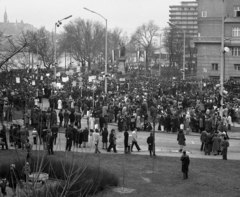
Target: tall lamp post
x,y
57,24
184,48
105,47
160,46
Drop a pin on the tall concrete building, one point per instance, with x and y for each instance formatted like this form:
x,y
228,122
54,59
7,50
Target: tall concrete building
x,y
208,42
185,16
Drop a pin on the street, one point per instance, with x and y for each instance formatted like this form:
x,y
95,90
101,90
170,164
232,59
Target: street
x,y
166,144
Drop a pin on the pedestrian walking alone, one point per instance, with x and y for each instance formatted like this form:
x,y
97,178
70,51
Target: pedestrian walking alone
x,y
134,140
112,141
185,164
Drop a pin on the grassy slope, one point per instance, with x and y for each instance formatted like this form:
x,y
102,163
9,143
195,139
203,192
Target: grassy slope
x,y
206,177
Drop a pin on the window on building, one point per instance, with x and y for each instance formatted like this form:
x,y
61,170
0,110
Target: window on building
x,y
237,11
236,32
237,67
204,13
214,66
236,51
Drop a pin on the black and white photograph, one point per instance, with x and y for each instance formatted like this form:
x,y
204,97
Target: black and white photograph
x,y
112,98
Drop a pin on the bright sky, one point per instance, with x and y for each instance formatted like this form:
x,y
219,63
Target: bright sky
x,y
125,14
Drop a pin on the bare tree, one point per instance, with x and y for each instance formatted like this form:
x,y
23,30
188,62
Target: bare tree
x,y
144,37
85,39
173,43
10,48
41,44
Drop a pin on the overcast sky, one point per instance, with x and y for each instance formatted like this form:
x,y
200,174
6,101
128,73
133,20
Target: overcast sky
x,y
125,14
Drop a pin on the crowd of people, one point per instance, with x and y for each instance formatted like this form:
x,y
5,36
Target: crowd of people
x,y
138,104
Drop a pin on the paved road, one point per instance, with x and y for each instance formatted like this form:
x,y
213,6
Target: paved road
x,y
166,144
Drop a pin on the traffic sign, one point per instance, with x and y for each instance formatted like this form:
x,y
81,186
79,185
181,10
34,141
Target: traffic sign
x,y
80,84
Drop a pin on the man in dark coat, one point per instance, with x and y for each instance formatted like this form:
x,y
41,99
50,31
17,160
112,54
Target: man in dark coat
x,y
225,145
69,138
85,137
50,139
185,163
208,144
104,138
203,138
126,144
79,137
4,138
150,143
55,132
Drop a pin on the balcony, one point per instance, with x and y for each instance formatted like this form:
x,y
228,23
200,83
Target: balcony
x,y
207,39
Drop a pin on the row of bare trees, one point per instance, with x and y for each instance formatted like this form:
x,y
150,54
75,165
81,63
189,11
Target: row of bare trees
x,y
85,40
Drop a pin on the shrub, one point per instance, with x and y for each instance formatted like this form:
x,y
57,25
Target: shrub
x,y
75,179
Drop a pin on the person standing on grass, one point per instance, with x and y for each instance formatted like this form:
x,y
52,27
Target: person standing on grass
x,y
185,164
150,143
225,145
134,140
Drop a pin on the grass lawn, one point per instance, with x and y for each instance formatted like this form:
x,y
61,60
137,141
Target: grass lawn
x,y
207,178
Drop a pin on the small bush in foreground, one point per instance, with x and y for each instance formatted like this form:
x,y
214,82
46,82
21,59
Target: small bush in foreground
x,y
73,179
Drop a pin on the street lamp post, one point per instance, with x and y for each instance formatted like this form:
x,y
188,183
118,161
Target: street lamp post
x,y
184,47
57,24
105,47
160,54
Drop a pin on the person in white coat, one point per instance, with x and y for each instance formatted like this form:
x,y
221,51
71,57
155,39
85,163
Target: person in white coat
x,y
96,139
134,140
91,123
229,122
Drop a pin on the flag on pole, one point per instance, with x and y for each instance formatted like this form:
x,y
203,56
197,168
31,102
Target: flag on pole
x,y
138,55
113,56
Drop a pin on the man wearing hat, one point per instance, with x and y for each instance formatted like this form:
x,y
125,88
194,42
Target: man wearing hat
x,y
185,163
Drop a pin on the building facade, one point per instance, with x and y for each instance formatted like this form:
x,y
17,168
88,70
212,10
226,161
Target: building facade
x,y
185,16
208,42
